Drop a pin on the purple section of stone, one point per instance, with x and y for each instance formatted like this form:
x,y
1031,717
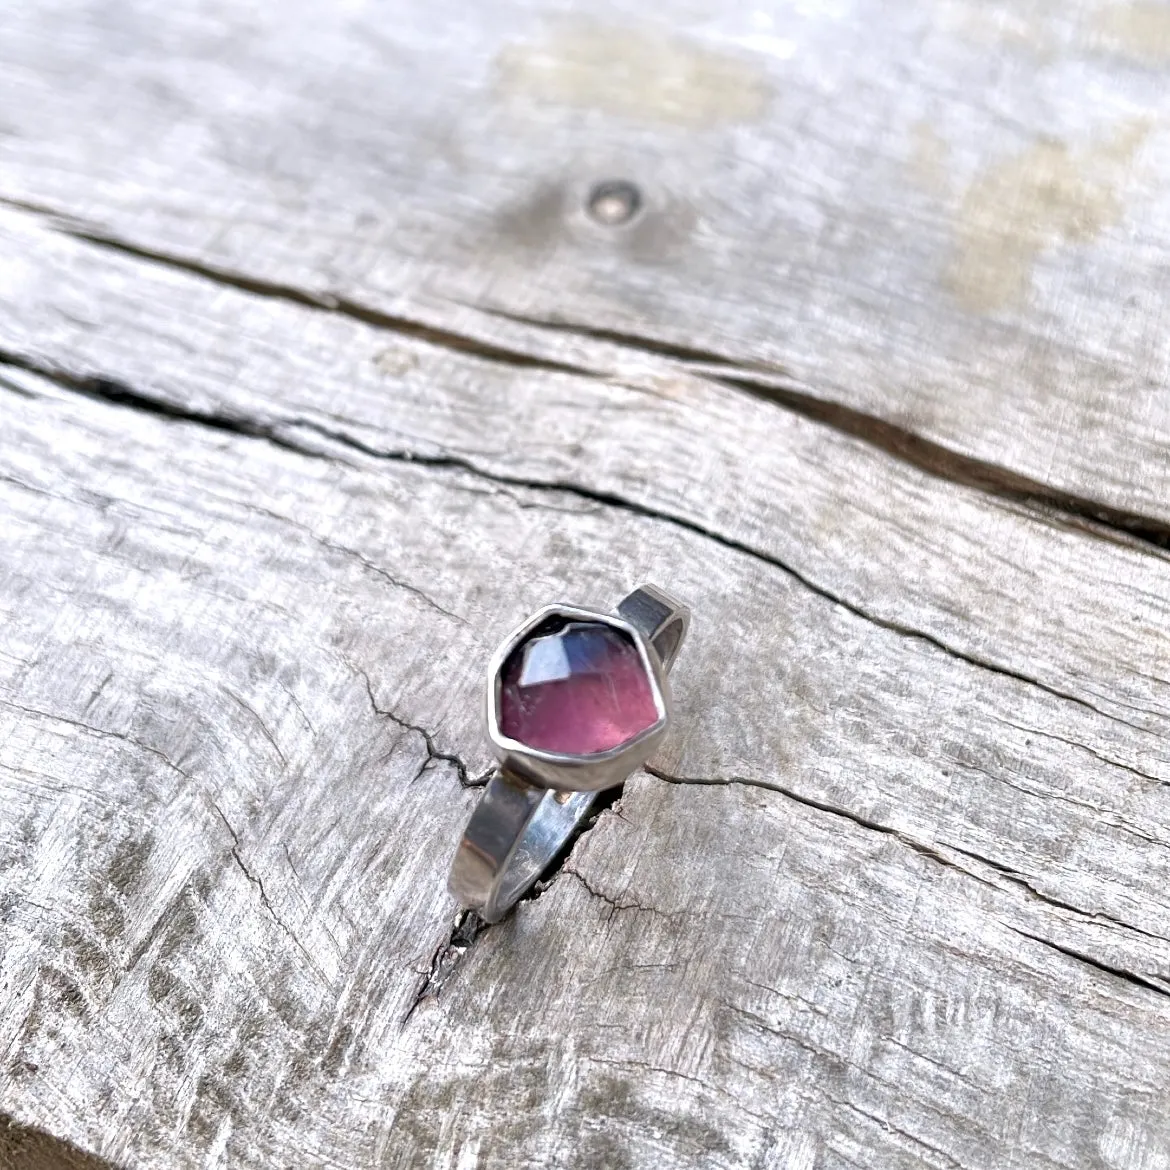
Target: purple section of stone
x,y
577,690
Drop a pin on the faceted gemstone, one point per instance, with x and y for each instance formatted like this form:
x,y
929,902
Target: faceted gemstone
x,y
578,688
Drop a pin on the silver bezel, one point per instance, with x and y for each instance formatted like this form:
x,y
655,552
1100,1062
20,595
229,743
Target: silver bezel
x,y
574,773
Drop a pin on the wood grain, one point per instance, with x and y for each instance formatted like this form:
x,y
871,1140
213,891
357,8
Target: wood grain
x,y
951,216
304,407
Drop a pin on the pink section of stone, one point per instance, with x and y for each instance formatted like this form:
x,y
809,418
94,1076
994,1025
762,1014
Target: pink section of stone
x,y
580,690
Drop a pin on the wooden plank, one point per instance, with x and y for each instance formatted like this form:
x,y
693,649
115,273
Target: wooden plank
x,y
276,477
951,218
679,447
879,884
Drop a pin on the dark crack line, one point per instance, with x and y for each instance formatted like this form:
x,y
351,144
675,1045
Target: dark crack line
x,y
1020,880
863,822
612,500
396,582
468,926
616,905
1095,754
608,800
357,555
55,217
765,381
944,1068
97,236
1104,815
775,1029
433,753
943,463
106,390
445,960
244,705
255,880
101,732
890,1127
929,851
96,693
775,385
113,392
1096,964
635,341
15,387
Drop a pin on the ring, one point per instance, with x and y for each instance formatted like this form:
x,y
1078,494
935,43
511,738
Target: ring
x,y
576,701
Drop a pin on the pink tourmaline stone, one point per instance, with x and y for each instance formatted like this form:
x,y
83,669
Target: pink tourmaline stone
x,y
578,690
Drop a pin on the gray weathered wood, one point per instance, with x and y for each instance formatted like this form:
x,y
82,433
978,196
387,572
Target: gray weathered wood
x,y
953,216
276,478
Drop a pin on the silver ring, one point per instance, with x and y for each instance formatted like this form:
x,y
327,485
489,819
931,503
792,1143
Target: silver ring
x,y
576,701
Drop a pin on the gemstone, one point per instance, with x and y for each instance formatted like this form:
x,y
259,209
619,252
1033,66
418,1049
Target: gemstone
x,y
577,688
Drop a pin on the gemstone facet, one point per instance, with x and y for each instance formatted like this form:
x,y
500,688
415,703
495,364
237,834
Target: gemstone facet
x,y
576,687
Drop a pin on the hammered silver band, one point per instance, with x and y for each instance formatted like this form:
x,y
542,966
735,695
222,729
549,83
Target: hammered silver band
x,y
520,823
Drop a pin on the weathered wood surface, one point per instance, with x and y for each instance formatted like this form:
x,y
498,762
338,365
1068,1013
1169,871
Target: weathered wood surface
x,y
876,382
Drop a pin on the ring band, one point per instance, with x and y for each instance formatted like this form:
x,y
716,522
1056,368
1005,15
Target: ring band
x,y
576,701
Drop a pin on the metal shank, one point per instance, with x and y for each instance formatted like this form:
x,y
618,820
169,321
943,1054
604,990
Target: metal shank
x,y
662,619
519,827
515,831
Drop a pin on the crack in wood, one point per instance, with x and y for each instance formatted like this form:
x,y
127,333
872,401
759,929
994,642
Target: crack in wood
x,y
93,234
768,382
776,385
1096,964
115,393
912,843
386,575
112,392
616,905
685,354
255,879
931,851
1021,880
1094,753
433,753
891,1127
357,555
608,800
469,927
157,548
103,732
16,388
255,716
933,458
447,957
611,499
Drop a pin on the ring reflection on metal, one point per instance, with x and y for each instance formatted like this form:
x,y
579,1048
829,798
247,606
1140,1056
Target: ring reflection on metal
x,y
576,701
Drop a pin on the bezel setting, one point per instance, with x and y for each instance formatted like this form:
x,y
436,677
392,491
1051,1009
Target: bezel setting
x,y
570,772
